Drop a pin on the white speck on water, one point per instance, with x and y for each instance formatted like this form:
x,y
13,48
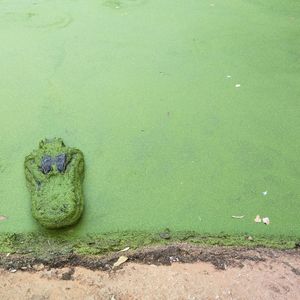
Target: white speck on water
x,y
257,219
265,193
228,76
237,85
3,218
237,217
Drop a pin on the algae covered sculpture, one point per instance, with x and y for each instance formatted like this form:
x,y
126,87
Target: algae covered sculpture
x,y
54,175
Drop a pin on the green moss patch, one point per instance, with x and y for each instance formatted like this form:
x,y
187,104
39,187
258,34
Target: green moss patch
x,y
47,245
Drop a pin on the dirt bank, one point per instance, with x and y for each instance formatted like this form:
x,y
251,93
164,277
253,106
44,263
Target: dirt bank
x,y
174,272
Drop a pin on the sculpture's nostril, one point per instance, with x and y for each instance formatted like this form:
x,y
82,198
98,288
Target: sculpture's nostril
x,y
46,164
60,161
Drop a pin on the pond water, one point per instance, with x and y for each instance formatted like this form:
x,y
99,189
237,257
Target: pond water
x,y
186,111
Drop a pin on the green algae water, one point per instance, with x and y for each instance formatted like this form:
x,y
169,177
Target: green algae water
x,y
187,112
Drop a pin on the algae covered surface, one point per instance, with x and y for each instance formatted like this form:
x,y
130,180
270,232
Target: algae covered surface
x,y
187,112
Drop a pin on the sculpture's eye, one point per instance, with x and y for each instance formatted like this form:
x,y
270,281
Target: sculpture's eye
x,y
46,164
61,162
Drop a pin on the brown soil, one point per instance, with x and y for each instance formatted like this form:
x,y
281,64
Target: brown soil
x,y
173,272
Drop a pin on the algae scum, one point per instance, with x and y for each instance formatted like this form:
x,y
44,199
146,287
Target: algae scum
x,y
187,113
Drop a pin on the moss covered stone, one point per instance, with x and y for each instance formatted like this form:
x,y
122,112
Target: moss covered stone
x,y
54,175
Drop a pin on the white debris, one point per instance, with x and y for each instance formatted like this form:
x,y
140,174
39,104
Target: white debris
x,y
237,85
266,220
265,193
120,261
257,219
3,218
237,217
173,259
228,76
125,249
38,267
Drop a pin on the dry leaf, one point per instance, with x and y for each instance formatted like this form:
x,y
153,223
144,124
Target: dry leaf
x,y
125,249
120,261
257,219
3,218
